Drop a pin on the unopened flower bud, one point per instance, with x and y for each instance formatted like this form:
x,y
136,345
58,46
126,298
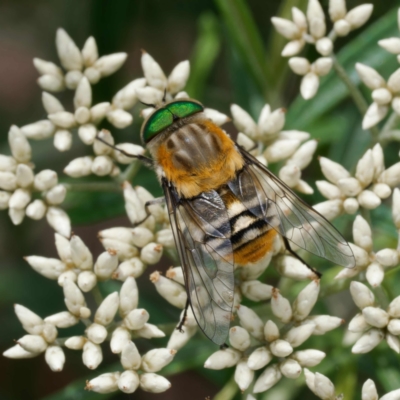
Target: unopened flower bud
x,y
62,319
362,296
243,375
104,383
154,383
75,342
55,358
156,359
120,337
368,341
239,338
251,322
255,290
173,292
128,382
92,355
290,369
106,264
222,359
259,358
280,306
308,358
267,379
136,319
107,309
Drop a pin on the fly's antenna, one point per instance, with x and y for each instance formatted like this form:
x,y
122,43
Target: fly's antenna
x,y
149,105
145,160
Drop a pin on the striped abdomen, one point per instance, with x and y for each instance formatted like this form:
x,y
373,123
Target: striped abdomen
x,y
252,238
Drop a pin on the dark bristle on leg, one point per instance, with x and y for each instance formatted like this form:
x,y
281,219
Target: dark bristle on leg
x,y
158,200
183,319
223,346
145,160
294,254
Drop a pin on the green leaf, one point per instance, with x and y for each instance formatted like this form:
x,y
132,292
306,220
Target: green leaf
x,y
205,52
247,40
332,91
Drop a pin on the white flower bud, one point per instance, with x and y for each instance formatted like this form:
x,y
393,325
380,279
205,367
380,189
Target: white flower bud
x,y
332,170
349,186
391,175
156,359
290,174
74,299
56,195
107,309
80,254
323,323
369,391
17,352
119,118
293,268
133,204
299,18
387,257
394,308
62,319
68,53
104,383
362,296
51,83
243,121
179,339
20,199
280,150
51,104
394,327
129,148
55,358
150,95
173,292
323,387
251,322
63,119
92,355
45,180
290,369
359,15
215,116
271,331
79,167
328,190
222,359
256,291
178,77
393,342
358,323
83,94
368,341
119,339
259,358
316,18
38,130
49,332
280,348
153,73
92,74
299,334
96,333
324,46
368,199
8,164
375,274
165,237
87,281
280,306
369,76
16,215
239,338
19,145
47,68
75,342
382,190
89,52
286,28
49,267
133,267
382,96
151,253
107,65
82,115
392,45
136,319
102,165
245,142
106,264
243,375
396,207
267,379
341,27
303,156
8,181
374,114
273,123
350,206
128,381
375,316
362,233
126,98
292,48
33,343
69,274
150,331
4,200
309,358
337,9
154,383
299,65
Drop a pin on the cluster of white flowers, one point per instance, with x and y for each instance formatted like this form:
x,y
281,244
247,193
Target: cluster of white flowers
x,y
269,143
311,28
268,344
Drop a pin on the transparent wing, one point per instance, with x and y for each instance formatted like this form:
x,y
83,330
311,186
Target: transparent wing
x,y
269,198
202,235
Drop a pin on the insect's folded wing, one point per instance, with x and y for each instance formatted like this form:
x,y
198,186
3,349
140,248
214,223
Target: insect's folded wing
x,y
202,233
269,198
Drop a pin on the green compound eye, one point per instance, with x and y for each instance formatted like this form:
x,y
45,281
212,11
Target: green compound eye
x,y
166,116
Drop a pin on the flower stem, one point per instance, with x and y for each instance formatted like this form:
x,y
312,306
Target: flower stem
x,y
355,93
381,296
93,187
387,133
229,391
130,172
98,297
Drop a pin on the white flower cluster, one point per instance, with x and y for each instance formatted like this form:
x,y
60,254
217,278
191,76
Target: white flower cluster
x,y
78,274
311,28
371,184
323,388
19,184
269,143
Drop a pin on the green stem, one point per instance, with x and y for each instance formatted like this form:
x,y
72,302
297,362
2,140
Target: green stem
x,y
355,93
129,173
229,391
93,187
98,297
86,321
381,296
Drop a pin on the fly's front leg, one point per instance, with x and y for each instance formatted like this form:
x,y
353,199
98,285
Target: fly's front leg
x,y
158,200
294,254
183,319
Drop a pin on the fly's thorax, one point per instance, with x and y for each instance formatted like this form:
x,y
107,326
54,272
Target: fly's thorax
x,y
196,156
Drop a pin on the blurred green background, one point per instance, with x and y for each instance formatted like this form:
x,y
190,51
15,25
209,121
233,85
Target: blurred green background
x,y
234,55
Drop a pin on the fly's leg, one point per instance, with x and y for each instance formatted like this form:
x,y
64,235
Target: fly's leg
x,y
183,319
148,162
223,346
158,200
294,254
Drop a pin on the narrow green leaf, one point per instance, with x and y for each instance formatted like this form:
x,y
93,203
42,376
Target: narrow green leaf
x,y
247,40
204,55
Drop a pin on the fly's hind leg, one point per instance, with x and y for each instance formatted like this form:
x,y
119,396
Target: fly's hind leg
x,y
183,319
294,254
158,200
